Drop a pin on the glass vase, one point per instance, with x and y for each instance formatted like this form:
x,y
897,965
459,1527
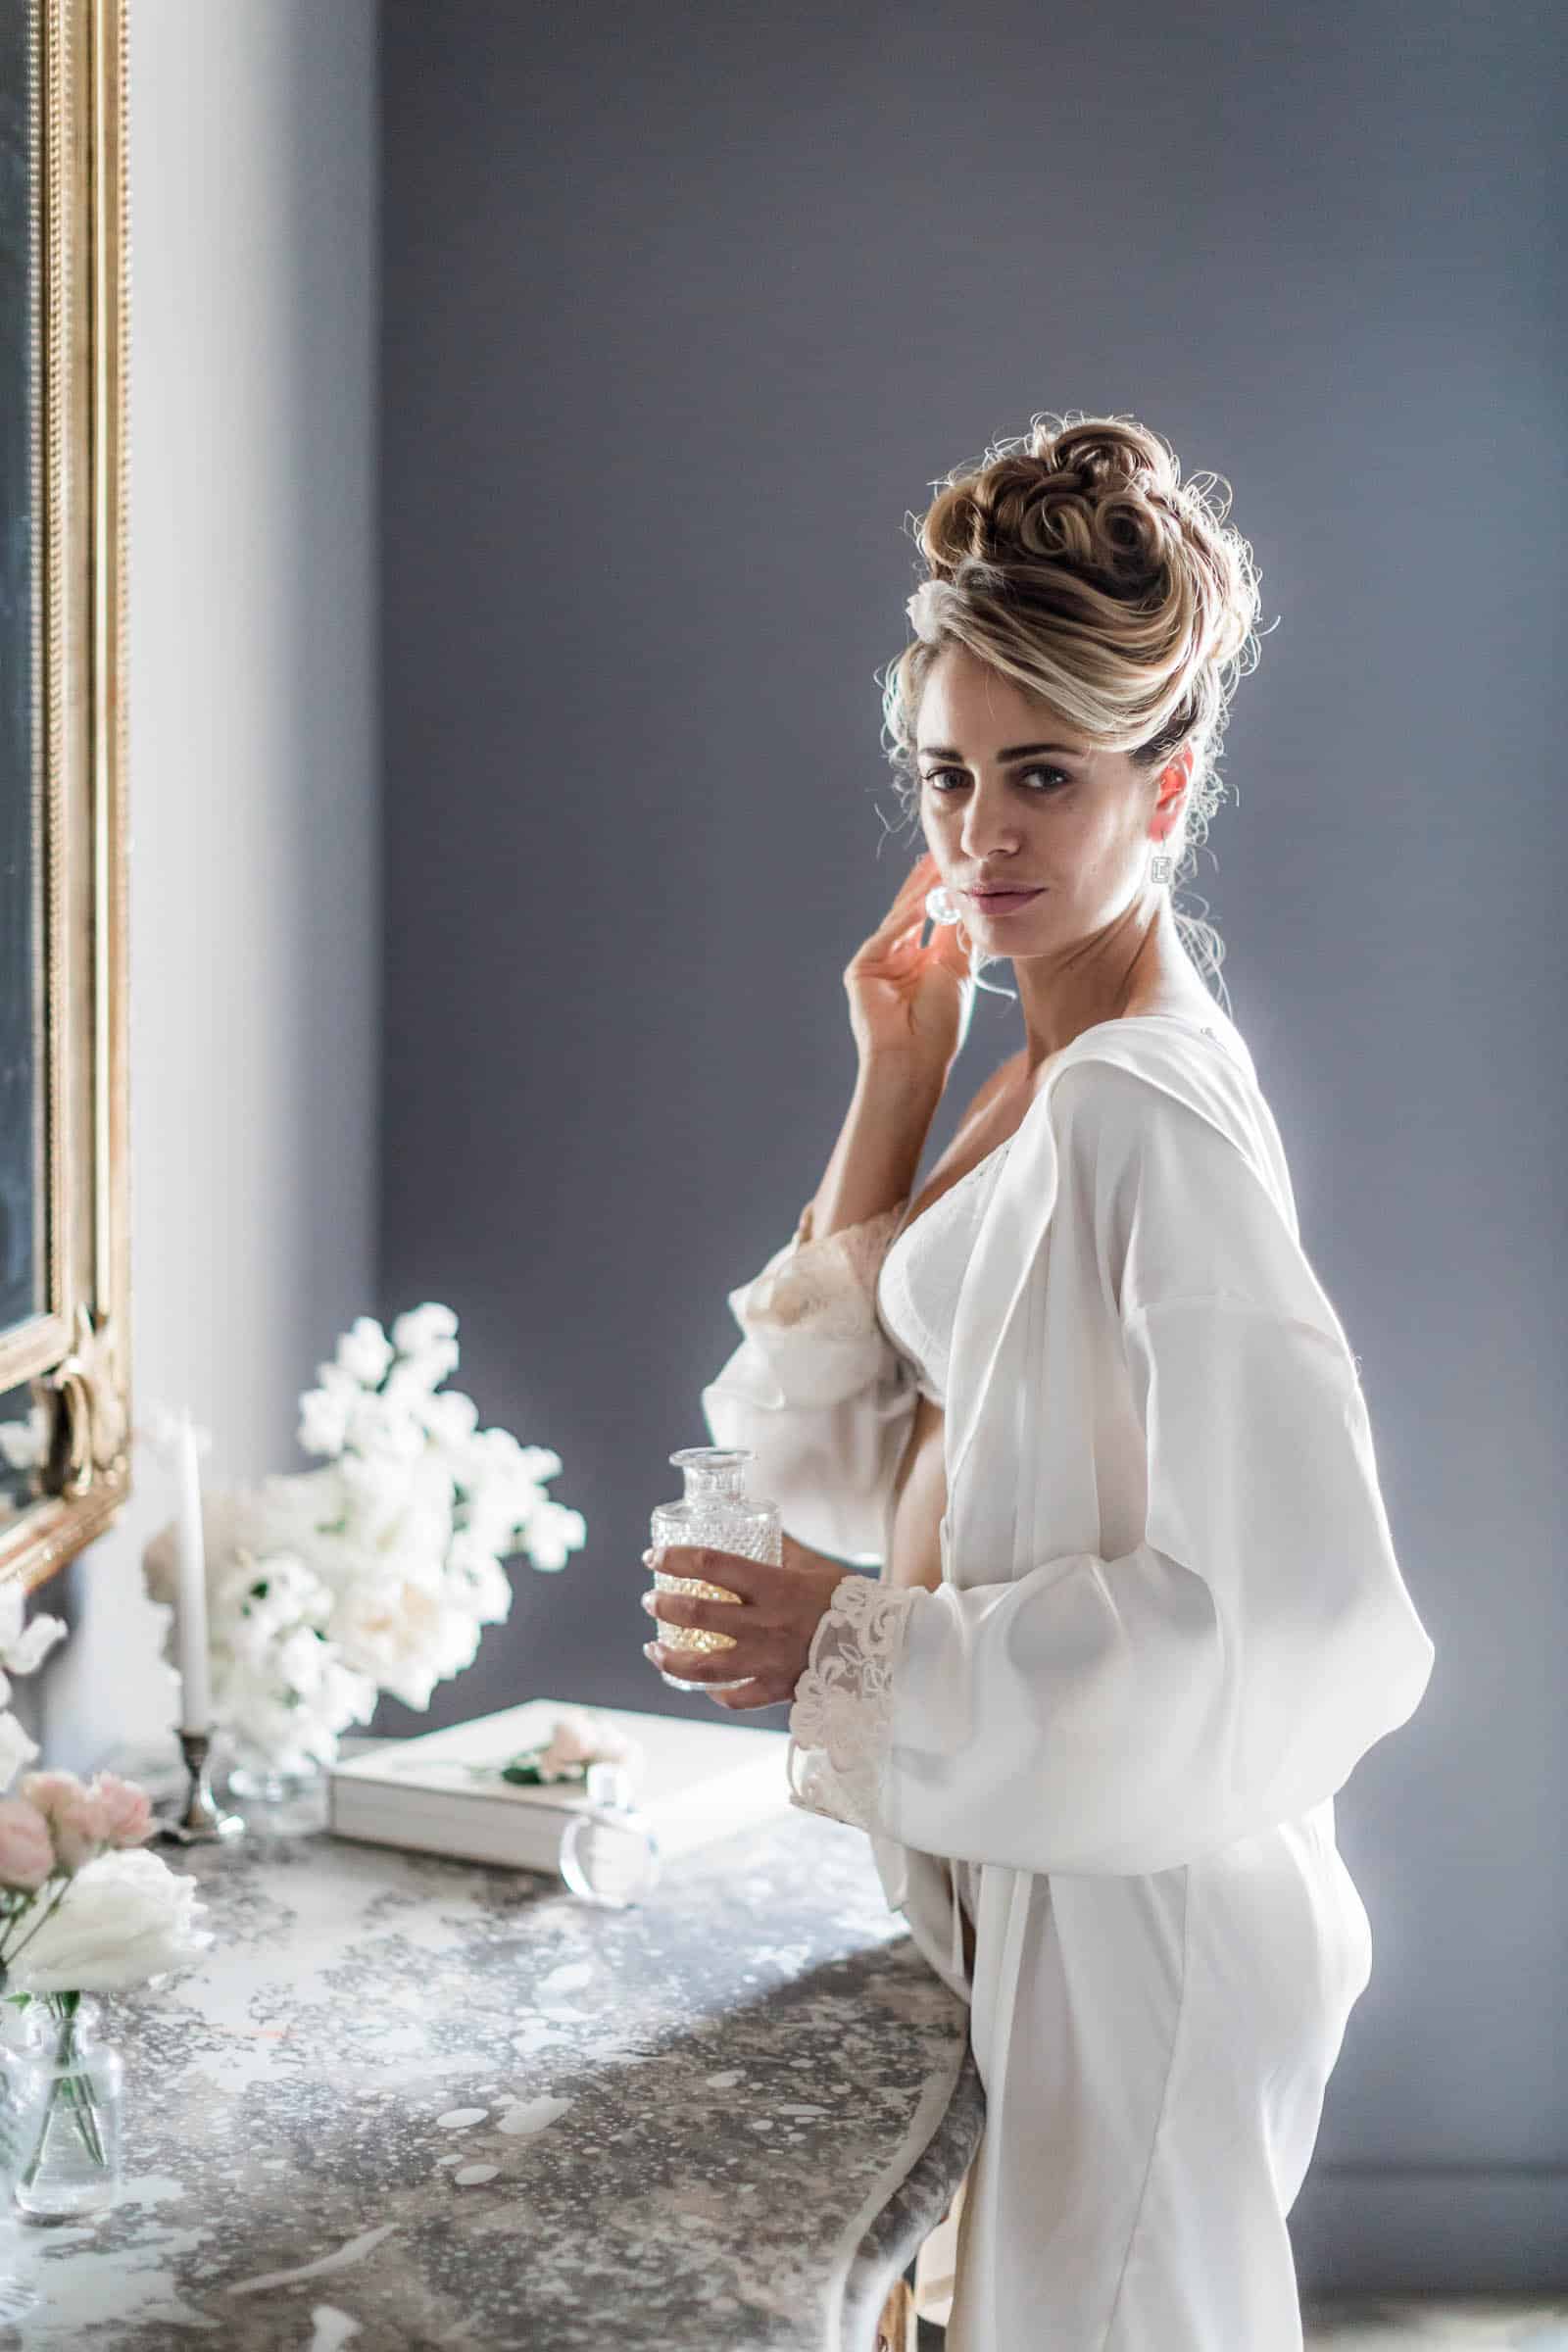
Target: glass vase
x,y
62,2111
716,1510
279,1801
23,2090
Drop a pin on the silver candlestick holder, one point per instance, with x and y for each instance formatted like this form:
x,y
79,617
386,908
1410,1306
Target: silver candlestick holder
x,y
204,1819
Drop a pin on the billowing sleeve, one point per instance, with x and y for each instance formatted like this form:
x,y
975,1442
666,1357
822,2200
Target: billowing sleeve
x,y
816,1389
1133,1713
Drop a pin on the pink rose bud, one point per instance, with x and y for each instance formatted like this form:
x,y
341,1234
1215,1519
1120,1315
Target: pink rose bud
x,y
26,1849
76,1816
127,1809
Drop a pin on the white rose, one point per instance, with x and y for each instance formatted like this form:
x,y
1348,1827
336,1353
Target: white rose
x,y
126,1919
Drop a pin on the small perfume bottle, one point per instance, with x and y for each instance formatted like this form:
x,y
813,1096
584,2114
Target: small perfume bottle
x,y
608,1853
716,1510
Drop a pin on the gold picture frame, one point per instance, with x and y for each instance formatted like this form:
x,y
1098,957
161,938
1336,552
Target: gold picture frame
x,y
64,1336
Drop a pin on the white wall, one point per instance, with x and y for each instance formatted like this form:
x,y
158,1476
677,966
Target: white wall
x,y
253,734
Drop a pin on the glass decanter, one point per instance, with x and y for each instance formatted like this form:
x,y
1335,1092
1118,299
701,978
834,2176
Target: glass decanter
x,y
716,1510
608,1853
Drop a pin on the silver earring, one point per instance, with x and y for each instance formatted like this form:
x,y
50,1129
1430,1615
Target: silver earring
x,y
1160,866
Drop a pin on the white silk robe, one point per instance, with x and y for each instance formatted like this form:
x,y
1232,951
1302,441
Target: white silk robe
x,y
1170,1622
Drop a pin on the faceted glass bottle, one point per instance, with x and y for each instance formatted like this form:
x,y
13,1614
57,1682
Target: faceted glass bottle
x,y
716,1510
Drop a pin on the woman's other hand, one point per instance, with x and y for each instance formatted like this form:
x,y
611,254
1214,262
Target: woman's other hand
x,y
771,1625
910,1004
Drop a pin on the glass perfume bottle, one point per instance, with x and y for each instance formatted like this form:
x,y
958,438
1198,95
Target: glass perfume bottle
x,y
716,1510
608,1853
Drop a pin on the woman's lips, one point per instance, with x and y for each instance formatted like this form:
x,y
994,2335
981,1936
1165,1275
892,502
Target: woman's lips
x,y
1001,902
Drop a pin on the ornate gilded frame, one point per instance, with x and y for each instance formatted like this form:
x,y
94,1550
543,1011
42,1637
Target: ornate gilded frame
x,y
65,1369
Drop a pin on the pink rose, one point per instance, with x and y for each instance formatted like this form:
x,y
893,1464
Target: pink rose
x,y
128,1808
77,1816
26,1849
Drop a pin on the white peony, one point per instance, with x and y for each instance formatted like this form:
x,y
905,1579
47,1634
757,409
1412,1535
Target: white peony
x,y
403,1634
124,1919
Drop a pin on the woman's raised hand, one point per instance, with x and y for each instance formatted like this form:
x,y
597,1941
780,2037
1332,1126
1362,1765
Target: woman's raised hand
x,y
910,1004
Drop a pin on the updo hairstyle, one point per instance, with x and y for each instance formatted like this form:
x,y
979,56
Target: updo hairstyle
x,y
1077,562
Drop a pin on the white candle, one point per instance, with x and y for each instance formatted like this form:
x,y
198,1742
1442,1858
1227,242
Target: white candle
x,y
190,1623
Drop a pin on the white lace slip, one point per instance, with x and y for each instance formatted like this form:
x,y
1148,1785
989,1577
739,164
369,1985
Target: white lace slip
x,y
829,1280
840,1719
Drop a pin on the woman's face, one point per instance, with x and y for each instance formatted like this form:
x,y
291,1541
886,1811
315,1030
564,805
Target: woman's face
x,y
1009,794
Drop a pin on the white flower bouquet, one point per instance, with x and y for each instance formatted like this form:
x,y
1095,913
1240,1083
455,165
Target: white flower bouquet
x,y
378,1571
81,1911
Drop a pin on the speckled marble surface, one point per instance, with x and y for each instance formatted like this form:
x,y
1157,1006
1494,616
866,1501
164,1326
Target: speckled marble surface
x,y
413,2102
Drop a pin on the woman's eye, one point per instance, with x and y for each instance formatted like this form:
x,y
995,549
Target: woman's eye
x,y
943,791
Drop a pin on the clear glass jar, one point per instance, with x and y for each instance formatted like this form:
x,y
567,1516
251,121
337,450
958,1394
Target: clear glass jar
x,y
23,2091
274,1803
608,1853
716,1510
61,2129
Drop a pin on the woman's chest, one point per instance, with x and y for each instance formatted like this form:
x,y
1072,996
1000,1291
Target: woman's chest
x,y
1055,1461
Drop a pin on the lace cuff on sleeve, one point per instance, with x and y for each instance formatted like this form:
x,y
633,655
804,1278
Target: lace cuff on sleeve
x,y
829,1280
841,1720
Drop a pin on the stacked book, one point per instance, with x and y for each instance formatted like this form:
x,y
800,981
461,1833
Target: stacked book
x,y
443,1792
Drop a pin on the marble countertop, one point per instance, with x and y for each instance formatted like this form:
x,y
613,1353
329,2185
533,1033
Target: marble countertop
x,y
410,2102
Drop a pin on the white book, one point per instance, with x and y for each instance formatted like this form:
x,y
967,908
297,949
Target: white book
x,y
694,1782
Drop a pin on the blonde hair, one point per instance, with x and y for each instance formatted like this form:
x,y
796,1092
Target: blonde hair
x,y
1076,562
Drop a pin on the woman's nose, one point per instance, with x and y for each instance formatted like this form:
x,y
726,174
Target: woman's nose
x,y
987,829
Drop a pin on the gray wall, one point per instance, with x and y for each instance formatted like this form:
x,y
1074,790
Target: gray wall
x,y
253,803
682,312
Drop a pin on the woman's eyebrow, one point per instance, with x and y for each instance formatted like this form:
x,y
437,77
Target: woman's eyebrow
x,y
1019,751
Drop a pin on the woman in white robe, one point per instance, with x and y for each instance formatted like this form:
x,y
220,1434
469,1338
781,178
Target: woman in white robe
x,y
1169,1621
1168,1628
